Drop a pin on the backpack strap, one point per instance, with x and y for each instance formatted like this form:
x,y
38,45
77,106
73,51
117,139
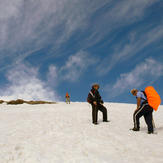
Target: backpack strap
x,y
144,95
92,94
90,97
145,100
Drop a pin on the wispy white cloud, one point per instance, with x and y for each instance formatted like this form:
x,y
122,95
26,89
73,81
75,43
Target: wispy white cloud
x,y
73,68
27,25
145,72
18,59
76,64
119,14
130,10
24,83
53,75
124,51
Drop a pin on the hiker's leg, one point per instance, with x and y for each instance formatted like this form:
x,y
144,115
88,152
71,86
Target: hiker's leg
x,y
94,114
104,111
136,116
149,118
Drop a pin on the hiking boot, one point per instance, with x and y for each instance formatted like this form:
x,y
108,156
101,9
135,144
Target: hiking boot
x,y
95,123
150,132
106,121
135,129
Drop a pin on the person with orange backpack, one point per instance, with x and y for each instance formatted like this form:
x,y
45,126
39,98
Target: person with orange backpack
x,y
67,97
146,101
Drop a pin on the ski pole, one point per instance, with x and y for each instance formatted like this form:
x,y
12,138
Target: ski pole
x,y
153,123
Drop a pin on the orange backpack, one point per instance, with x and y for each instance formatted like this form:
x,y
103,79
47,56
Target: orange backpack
x,y
67,95
153,97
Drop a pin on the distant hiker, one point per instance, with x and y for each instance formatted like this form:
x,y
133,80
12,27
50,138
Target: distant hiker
x,y
96,101
67,97
143,109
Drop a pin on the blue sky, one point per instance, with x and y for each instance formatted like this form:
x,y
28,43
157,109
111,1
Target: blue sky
x,y
48,48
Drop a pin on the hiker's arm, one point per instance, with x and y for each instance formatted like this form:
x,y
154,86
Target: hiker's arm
x,y
138,102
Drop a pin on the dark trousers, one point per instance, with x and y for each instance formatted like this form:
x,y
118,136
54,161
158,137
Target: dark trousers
x,y
95,112
146,111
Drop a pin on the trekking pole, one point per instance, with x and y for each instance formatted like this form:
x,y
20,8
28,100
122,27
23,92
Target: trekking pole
x,y
96,113
153,123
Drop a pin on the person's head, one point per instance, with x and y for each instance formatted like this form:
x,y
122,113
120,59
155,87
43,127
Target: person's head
x,y
134,91
96,86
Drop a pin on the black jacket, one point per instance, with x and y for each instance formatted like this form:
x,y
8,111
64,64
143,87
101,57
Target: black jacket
x,y
94,95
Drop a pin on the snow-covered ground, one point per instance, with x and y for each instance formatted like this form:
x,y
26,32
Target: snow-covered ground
x,y
63,133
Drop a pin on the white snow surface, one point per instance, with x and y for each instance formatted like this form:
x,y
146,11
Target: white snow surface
x,y
64,133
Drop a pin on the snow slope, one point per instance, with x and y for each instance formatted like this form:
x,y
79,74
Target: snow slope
x,y
63,133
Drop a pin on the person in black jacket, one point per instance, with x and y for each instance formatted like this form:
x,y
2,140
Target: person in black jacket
x,y
96,101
